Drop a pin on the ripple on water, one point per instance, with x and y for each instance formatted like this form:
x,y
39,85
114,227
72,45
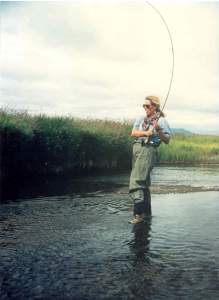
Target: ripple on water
x,y
82,247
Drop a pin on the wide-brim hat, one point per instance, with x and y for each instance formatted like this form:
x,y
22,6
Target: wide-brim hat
x,y
152,99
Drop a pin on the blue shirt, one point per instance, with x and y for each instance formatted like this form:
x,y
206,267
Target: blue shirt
x,y
155,138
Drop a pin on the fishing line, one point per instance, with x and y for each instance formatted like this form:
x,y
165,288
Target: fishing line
x,y
172,49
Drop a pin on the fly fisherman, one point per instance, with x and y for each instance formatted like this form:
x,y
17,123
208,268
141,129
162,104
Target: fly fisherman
x,y
149,132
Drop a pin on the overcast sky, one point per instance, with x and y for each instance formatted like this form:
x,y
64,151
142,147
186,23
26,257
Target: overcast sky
x,y
100,59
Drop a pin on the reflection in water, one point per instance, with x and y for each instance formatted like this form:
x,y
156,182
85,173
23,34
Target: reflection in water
x,y
59,187
164,179
73,241
140,285
141,243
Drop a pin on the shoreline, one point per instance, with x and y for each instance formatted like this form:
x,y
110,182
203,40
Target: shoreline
x,y
180,189
189,163
96,171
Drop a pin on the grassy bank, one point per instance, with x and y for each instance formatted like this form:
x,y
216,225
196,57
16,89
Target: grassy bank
x,y
43,145
191,149
38,145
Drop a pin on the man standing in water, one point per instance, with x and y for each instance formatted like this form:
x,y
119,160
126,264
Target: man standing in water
x,y
149,132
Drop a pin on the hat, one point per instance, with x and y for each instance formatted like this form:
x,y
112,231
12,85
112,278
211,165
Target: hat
x,y
152,99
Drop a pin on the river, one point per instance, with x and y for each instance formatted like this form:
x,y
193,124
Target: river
x,y
70,239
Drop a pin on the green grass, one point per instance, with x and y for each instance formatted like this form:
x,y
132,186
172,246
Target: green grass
x,y
51,145
191,149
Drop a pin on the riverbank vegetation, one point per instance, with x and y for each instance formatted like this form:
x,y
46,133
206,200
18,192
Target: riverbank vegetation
x,y
191,149
42,145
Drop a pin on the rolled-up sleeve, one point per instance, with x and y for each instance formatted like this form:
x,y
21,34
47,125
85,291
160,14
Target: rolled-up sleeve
x,y
138,124
164,125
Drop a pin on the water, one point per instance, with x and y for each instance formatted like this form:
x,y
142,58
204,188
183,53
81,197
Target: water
x,y
74,241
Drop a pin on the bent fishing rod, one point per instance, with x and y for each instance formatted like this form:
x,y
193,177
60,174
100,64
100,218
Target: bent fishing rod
x,y
172,50
160,112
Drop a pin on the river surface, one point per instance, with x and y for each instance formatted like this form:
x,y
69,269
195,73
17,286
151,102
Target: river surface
x,y
71,239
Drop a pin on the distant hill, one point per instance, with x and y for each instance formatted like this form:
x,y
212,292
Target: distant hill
x,y
181,131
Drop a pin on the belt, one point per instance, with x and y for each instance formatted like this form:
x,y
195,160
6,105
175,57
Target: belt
x,y
150,144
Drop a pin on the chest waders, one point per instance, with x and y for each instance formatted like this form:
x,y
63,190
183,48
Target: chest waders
x,y
143,161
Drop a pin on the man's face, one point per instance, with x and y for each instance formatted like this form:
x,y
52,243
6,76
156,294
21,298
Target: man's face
x,y
150,108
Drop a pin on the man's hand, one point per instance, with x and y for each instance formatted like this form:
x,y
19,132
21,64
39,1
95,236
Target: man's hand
x,y
156,125
148,132
140,133
164,137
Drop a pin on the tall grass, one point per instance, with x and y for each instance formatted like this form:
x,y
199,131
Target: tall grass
x,y
38,145
191,149
41,145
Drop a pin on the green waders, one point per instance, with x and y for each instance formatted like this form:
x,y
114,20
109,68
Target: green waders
x,y
143,160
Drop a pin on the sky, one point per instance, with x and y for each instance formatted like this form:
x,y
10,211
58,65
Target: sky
x,y
99,59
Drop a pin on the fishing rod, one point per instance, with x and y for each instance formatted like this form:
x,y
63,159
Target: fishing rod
x,y
160,113
172,50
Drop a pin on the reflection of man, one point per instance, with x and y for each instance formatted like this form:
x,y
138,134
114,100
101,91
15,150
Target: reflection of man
x,y
149,132
141,242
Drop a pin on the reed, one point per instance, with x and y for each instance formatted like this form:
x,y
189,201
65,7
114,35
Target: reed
x,y
44,145
191,149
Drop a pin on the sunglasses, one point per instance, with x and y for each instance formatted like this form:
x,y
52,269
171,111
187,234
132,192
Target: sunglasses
x,y
147,106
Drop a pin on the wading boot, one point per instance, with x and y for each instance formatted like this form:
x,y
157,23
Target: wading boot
x,y
137,219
